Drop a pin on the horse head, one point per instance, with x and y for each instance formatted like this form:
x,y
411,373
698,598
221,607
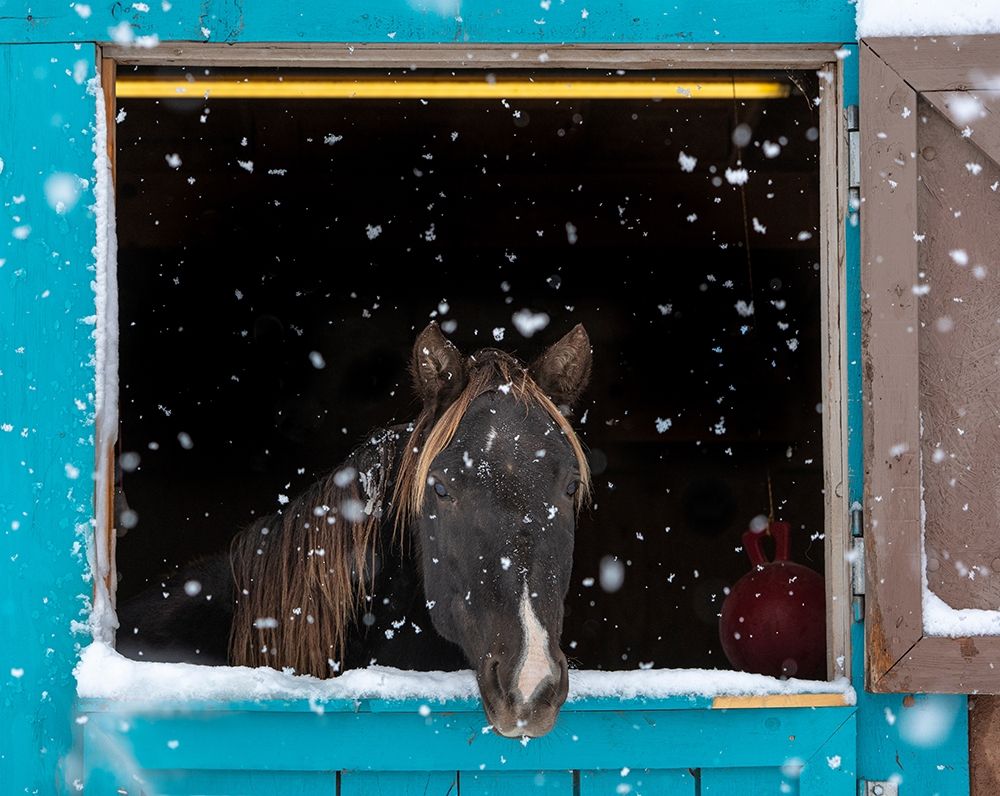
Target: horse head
x,y
489,488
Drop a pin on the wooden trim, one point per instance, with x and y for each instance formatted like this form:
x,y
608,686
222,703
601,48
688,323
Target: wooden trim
x,y
106,438
781,701
890,329
833,316
482,56
944,63
946,666
900,658
109,71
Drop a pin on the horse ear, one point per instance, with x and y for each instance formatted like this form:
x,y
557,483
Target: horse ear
x,y
563,369
438,369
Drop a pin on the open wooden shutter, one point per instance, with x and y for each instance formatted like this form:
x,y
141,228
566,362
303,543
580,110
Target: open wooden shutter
x,y
930,215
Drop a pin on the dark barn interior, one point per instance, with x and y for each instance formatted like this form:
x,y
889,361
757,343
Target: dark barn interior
x,y
260,239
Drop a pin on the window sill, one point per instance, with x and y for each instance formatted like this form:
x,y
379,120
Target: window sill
x,y
108,682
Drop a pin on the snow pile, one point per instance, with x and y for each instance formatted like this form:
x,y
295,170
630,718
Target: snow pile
x,y
940,619
655,683
105,284
927,17
103,673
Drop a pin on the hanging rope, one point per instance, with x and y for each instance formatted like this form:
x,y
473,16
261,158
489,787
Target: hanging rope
x,y
753,304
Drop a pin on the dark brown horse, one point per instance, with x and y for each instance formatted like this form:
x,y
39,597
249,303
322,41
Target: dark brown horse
x,y
444,543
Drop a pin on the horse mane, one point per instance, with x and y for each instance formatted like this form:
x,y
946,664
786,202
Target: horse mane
x,y
301,575
489,370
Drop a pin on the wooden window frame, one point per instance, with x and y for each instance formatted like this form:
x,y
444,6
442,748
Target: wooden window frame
x,y
681,57
894,71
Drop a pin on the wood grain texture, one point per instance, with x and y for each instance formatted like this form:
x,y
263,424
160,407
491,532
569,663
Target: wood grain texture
x,y
921,204
959,362
946,666
780,701
530,55
106,438
833,367
984,745
890,329
941,63
976,114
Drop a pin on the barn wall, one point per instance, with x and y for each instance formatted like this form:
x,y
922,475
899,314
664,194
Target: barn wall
x,y
46,301
984,745
46,401
437,21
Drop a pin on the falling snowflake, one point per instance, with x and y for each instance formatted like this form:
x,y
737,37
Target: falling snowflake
x,y
528,322
737,176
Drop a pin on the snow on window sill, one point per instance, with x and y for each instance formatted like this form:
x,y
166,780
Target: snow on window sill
x,y
939,618
103,674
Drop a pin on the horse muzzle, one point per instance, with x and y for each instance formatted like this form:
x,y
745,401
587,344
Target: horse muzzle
x,y
513,713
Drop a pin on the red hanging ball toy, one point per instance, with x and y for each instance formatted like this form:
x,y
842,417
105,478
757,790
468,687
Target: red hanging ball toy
x,y
774,619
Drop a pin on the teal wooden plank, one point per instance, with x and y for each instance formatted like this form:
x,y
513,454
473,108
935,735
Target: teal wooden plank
x,y
441,21
398,783
515,783
638,782
755,781
939,765
46,452
241,783
832,768
581,741
387,705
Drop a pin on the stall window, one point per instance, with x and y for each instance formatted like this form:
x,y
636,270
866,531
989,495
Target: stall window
x,y
283,237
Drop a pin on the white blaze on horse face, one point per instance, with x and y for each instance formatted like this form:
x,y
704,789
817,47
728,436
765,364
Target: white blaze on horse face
x,y
491,435
536,664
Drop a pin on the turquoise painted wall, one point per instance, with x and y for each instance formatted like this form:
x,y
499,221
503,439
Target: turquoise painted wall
x,y
436,21
46,372
46,397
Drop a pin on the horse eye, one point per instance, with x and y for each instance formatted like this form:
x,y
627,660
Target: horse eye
x,y
441,489
571,489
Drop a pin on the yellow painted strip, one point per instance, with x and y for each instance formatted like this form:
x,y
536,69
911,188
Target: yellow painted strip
x,y
297,88
781,701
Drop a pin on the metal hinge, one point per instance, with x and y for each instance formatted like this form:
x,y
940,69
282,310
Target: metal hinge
x,y
882,787
853,158
857,559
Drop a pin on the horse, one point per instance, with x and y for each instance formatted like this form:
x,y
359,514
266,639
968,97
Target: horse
x,y
440,544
